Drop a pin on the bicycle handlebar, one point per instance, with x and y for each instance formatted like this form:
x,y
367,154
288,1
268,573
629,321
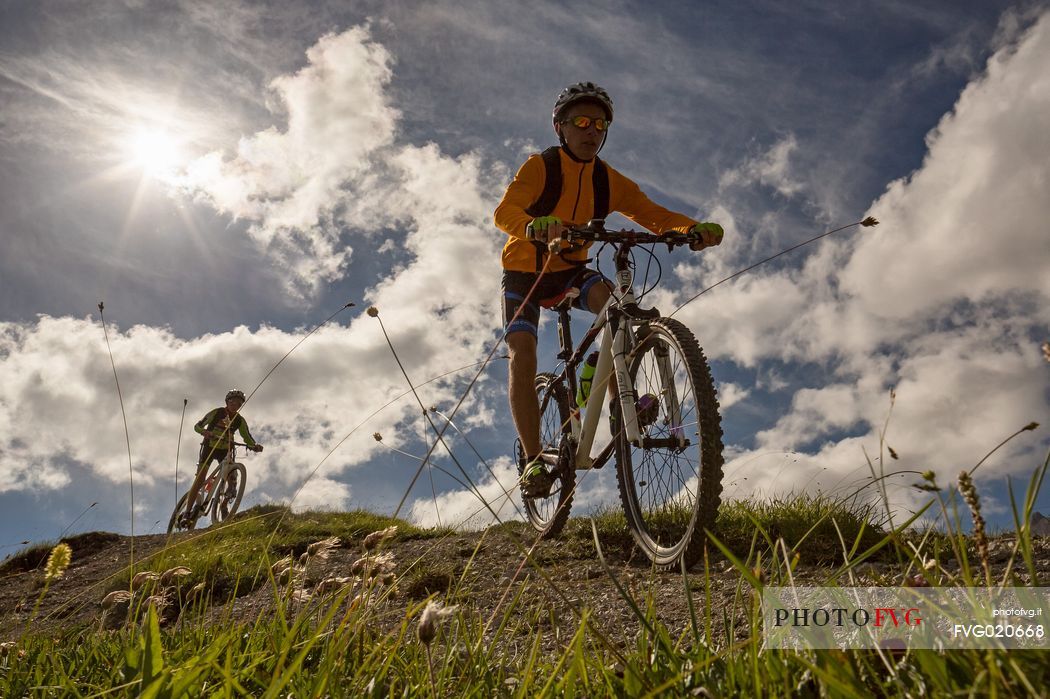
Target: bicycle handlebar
x,y
594,231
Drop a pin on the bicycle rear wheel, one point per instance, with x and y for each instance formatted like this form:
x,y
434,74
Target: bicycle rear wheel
x,y
230,491
671,492
548,515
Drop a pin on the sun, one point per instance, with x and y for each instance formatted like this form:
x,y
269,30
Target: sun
x,y
155,152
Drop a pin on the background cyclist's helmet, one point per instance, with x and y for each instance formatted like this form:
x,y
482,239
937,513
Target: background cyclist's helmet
x,y
235,393
580,92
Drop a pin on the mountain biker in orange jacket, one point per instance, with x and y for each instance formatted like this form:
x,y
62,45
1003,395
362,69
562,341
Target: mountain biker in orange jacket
x,y
582,115
217,427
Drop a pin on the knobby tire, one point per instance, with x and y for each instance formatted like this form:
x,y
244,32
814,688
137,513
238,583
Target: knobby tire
x,y
670,498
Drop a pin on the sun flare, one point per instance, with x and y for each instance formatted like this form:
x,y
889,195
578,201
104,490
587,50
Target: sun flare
x,y
155,151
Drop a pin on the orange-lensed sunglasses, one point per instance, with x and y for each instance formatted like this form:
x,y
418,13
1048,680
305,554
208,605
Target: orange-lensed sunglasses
x,y
582,122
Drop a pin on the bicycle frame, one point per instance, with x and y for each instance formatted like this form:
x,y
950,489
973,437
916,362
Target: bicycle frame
x,y
616,322
218,474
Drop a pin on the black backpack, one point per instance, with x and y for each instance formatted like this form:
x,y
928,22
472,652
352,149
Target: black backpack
x,y
552,191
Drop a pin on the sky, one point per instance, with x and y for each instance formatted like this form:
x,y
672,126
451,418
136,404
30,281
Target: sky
x,y
227,176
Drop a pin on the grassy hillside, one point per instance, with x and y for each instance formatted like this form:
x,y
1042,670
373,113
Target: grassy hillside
x,y
275,603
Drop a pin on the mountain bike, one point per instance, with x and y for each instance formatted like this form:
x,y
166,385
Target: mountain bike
x,y
220,496
664,420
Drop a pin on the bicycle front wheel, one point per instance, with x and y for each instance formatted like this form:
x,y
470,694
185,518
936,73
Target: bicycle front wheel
x,y
173,523
549,514
671,484
229,493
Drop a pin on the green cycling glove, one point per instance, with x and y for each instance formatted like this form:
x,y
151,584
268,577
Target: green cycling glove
x,y
712,229
542,223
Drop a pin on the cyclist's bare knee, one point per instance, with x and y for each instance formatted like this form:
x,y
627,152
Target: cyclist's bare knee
x,y
522,346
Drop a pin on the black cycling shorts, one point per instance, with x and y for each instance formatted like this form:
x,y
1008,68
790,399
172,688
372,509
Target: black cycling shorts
x,y
516,286
208,455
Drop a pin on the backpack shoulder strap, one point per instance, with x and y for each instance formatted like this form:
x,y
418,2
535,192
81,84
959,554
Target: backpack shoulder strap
x,y
551,184
601,189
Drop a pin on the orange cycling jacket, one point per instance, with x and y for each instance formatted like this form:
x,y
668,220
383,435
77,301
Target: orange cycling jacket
x,y
575,207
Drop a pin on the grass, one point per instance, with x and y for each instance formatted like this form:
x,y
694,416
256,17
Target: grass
x,y
359,641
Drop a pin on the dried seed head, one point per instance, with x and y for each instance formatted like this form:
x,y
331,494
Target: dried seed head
x,y
331,585
893,454
930,484
58,561
869,221
172,573
115,597
376,436
371,566
142,578
430,621
158,601
980,541
320,549
372,311
376,538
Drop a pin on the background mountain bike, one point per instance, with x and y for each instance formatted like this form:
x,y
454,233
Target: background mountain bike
x,y
666,430
220,496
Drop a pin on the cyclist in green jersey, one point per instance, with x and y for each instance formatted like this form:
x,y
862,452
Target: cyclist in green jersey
x,y
218,427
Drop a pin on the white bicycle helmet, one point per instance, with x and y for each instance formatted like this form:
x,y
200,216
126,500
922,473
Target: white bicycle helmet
x,y
579,92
